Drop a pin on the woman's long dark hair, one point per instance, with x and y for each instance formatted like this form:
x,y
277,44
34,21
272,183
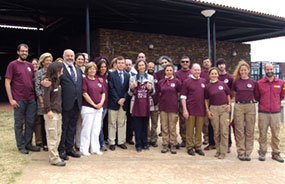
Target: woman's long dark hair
x,y
52,72
99,63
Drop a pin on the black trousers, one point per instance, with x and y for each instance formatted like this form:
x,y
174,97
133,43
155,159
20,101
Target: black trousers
x,y
43,130
130,129
141,129
69,121
211,134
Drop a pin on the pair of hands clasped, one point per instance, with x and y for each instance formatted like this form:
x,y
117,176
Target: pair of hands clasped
x,y
209,113
135,84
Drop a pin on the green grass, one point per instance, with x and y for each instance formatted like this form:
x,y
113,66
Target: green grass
x,y
11,161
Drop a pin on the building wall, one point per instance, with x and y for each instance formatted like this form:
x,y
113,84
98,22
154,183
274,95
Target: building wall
x,y
113,43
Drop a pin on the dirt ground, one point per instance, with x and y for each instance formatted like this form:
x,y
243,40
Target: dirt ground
x,y
128,166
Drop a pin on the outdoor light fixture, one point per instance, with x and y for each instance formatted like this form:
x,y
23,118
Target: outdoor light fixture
x,y
151,46
208,13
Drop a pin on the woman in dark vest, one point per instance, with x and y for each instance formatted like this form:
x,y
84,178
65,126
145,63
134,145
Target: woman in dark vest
x,y
141,87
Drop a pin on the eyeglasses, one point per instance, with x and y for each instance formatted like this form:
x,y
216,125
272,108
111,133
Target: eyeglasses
x,y
185,61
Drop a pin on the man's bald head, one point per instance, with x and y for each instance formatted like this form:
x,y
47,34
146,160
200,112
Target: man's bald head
x,y
141,56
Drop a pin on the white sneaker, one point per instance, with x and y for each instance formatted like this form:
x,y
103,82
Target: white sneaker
x,y
98,153
86,154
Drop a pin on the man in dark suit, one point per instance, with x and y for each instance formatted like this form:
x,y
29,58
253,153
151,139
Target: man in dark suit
x,y
71,84
118,91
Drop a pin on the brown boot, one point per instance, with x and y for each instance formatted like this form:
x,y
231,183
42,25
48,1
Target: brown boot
x,y
164,149
261,156
172,150
277,157
222,156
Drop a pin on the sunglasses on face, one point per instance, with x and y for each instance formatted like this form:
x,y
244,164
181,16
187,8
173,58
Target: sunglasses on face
x,y
184,61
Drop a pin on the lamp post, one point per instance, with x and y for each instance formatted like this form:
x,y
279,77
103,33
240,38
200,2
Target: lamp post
x,y
208,13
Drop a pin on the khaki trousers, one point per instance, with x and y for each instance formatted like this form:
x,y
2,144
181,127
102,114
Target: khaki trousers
x,y
117,122
38,129
182,125
205,130
266,120
152,130
78,131
220,123
244,122
194,123
168,123
53,134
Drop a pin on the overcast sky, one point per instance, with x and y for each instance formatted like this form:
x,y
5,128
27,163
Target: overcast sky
x,y
269,49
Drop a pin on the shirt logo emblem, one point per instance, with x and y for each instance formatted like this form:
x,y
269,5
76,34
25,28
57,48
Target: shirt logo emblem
x,y
220,87
172,85
249,85
203,85
29,69
226,81
99,85
276,86
83,75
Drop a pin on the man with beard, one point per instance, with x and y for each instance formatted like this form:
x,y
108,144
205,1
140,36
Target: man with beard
x,y
20,90
269,93
71,84
183,74
151,68
228,79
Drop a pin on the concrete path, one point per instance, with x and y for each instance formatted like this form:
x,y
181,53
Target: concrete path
x,y
128,166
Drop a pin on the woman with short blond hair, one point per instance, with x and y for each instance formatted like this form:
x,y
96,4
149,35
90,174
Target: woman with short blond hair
x,y
44,61
93,93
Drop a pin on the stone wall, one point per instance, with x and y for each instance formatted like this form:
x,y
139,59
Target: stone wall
x,y
113,43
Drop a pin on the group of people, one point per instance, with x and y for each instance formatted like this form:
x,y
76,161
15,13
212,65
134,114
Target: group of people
x,y
66,102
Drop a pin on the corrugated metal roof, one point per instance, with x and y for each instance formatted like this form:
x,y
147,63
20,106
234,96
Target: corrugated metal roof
x,y
236,9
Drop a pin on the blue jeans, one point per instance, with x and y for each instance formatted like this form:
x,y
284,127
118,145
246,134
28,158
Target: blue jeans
x,y
26,111
101,136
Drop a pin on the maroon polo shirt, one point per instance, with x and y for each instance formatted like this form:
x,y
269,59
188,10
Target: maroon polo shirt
x,y
93,88
217,93
141,105
194,89
168,89
227,79
182,75
21,75
104,82
244,89
205,74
